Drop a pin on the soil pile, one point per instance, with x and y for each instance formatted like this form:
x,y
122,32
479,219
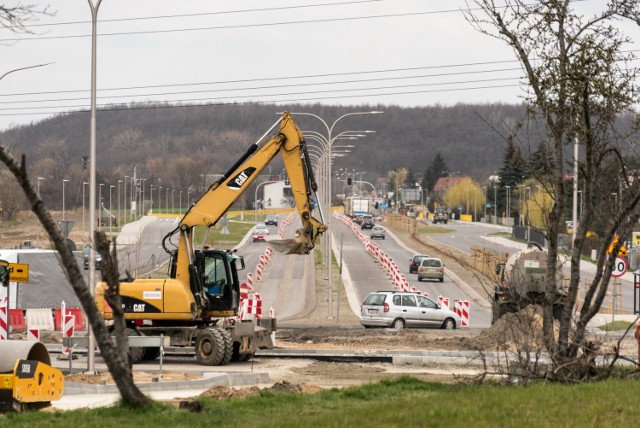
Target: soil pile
x,y
225,392
518,331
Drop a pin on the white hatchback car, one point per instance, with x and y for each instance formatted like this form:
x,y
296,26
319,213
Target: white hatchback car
x,y
405,309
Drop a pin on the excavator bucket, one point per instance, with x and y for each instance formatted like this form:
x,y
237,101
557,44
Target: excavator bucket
x,y
27,380
298,245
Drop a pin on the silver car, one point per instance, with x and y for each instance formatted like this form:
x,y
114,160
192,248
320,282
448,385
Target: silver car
x,y
431,268
404,309
377,232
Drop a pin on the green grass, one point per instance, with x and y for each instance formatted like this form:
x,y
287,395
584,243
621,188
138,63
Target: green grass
x,y
402,402
427,229
617,326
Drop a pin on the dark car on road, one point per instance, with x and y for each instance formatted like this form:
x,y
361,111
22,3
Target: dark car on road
x,y
367,222
414,262
271,220
85,255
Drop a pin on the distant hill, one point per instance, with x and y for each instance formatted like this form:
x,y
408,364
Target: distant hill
x,y
466,135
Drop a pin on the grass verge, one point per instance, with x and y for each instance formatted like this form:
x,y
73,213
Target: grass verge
x,y
400,402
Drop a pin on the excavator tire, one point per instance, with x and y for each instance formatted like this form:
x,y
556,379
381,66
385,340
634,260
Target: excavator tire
x,y
151,353
237,356
210,347
228,347
137,353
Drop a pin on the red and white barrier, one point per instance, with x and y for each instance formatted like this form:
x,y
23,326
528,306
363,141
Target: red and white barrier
x,y
33,334
4,316
68,330
250,281
444,301
461,307
244,291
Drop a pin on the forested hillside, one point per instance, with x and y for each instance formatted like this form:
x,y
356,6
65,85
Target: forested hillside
x,y
176,146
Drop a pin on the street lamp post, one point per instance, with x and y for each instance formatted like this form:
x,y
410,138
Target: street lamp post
x,y
485,204
151,191
180,199
126,178
508,201
159,198
64,218
39,178
329,141
84,183
110,212
118,216
495,204
100,204
92,172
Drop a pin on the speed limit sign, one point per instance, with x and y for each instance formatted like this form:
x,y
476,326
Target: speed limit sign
x,y
619,267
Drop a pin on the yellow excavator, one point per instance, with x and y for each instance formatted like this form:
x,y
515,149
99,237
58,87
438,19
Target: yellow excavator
x,y
198,304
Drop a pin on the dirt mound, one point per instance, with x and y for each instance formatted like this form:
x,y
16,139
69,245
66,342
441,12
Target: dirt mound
x,y
225,392
515,331
389,339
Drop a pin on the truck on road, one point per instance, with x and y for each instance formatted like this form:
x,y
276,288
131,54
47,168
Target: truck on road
x,y
523,282
355,206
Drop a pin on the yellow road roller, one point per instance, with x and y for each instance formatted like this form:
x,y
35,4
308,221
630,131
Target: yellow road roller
x,y
27,380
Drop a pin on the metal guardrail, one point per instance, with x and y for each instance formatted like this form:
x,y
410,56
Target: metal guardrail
x,y
134,341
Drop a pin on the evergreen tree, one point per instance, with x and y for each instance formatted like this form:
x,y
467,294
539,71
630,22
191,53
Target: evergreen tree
x,y
437,169
514,171
542,163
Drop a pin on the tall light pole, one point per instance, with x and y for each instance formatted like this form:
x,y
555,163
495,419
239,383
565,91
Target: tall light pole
x,y
330,140
508,201
39,178
159,198
495,203
180,201
142,180
485,204
166,198
118,216
99,204
84,183
110,212
151,191
92,173
126,178
64,218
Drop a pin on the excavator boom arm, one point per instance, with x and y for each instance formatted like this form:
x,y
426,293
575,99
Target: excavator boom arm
x,y
210,208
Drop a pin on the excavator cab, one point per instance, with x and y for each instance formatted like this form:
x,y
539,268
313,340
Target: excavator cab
x,y
4,273
220,278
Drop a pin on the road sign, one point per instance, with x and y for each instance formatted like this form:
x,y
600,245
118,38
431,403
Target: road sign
x,y
18,272
619,267
623,249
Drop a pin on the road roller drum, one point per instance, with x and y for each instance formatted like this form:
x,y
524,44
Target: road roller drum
x,y
27,379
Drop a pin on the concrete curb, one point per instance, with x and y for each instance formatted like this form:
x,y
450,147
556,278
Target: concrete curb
x,y
209,380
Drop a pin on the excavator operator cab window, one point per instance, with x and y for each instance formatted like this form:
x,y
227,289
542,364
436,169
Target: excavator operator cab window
x,y
215,274
4,273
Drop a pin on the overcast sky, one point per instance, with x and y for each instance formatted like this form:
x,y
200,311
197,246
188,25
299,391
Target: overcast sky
x,y
401,52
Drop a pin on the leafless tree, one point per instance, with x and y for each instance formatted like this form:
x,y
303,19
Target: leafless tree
x,y
580,80
118,363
